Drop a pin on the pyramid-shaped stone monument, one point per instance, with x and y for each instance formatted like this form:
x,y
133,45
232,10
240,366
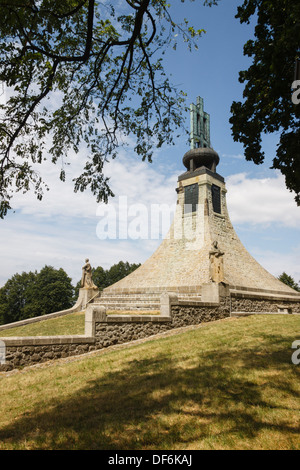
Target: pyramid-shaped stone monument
x,y
202,248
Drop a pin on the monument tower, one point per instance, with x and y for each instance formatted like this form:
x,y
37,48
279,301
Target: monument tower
x,y
202,248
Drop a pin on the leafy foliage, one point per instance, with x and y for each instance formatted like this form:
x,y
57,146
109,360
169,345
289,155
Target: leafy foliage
x,y
15,296
84,72
119,271
31,294
268,106
289,281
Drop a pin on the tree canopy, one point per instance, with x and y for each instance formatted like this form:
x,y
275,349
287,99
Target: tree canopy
x,y
268,106
289,281
87,74
33,294
83,72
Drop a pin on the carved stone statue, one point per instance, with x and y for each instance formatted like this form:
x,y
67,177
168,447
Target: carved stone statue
x,y
86,279
216,263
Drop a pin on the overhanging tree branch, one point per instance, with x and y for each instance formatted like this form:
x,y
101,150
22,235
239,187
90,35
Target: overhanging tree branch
x,y
97,68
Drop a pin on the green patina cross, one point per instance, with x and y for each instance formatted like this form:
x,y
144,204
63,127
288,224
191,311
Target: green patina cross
x,y
200,125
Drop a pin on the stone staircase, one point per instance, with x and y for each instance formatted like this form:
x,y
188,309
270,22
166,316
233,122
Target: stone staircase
x,y
137,301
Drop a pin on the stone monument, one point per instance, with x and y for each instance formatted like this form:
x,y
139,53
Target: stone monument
x,y
216,263
86,279
88,289
202,248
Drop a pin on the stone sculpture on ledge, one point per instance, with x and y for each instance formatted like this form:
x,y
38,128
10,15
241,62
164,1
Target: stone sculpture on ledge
x,y
86,279
216,263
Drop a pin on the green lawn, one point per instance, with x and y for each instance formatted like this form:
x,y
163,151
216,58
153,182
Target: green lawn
x,y
227,385
71,324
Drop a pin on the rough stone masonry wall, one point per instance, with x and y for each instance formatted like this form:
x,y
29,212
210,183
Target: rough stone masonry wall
x,y
21,352
189,313
119,331
102,331
252,304
115,330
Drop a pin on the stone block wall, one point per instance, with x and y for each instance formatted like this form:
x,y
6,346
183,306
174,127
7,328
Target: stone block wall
x,y
102,331
252,303
25,351
119,330
183,315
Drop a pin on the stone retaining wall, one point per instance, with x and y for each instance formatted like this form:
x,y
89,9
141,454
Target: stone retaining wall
x,y
247,302
113,331
31,350
183,315
102,331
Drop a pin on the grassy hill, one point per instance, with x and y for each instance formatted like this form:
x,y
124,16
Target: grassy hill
x,y
71,324
226,385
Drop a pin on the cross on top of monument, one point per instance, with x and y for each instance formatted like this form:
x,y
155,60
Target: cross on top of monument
x,y
200,125
201,154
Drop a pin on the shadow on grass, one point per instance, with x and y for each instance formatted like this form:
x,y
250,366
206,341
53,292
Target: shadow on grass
x,y
160,403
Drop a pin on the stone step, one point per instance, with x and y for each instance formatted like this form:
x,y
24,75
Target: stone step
x,y
131,294
133,307
127,299
141,304
189,296
124,306
137,301
144,296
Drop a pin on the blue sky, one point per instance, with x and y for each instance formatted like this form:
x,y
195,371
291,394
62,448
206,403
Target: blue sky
x,y
61,230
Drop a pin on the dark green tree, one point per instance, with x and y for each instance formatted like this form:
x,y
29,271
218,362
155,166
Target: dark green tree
x,y
268,106
15,296
119,271
31,294
289,281
53,291
84,72
100,277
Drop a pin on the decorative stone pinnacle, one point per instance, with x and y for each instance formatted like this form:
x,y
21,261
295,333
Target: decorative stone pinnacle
x,y
200,125
201,153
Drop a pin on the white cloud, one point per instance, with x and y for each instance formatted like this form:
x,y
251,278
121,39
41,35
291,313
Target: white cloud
x,y
60,200
138,180
276,262
2,93
265,203
236,157
61,230
261,201
27,244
